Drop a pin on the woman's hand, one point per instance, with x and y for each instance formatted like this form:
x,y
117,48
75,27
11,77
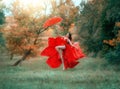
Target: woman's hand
x,y
74,46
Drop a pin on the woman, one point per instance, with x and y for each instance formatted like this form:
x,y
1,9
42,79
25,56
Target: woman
x,y
61,50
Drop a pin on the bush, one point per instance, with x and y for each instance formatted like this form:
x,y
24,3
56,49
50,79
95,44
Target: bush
x,y
113,57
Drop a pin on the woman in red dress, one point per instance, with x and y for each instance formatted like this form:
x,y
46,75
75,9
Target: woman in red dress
x,y
61,50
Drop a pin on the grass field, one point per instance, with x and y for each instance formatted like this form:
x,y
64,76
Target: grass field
x,y
91,73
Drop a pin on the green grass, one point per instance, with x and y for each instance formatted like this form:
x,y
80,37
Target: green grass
x,y
35,74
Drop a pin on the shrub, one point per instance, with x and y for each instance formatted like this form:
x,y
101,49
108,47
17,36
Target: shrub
x,y
113,56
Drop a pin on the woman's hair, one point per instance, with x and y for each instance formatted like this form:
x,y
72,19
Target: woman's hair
x,y
70,36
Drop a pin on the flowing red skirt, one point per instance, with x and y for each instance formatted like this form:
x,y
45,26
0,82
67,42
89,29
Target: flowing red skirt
x,y
70,54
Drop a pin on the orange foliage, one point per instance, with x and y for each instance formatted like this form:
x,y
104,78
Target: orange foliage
x,y
20,39
114,41
117,24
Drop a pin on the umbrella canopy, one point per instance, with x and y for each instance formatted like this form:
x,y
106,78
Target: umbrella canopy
x,y
52,21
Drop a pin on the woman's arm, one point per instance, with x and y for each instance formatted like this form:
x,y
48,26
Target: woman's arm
x,y
70,42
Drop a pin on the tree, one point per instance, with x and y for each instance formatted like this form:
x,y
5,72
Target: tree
x,y
99,28
67,10
2,21
111,31
25,27
89,23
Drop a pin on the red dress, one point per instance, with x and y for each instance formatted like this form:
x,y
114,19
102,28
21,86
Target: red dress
x,y
70,54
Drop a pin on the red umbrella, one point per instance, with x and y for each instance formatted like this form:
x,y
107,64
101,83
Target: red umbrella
x,y
52,21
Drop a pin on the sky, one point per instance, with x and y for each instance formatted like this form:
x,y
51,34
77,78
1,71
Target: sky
x,y
34,2
7,2
77,2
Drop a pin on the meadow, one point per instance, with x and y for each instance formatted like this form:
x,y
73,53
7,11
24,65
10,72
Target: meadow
x,y
91,73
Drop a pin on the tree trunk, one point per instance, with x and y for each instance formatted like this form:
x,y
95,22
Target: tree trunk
x,y
29,51
23,58
11,56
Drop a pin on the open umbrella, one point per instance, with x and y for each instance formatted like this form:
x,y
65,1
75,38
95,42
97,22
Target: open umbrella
x,y
52,21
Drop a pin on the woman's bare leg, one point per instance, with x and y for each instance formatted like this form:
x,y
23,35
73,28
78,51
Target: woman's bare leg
x,y
60,50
